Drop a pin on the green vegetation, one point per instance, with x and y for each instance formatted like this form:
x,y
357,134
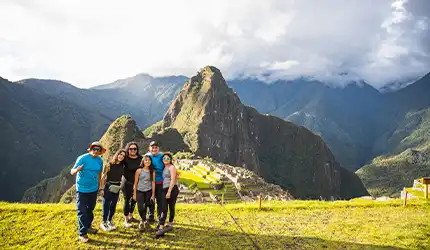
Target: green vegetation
x,y
387,175
50,190
356,224
154,128
40,134
412,131
188,178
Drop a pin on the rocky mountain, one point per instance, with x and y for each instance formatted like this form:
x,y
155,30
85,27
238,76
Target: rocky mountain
x,y
357,121
40,135
347,118
213,122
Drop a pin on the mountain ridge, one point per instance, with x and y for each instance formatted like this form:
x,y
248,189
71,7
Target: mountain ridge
x,y
214,123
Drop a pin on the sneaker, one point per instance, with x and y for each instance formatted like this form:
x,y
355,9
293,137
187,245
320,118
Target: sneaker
x,y
133,220
111,225
141,227
104,226
168,228
92,230
160,232
127,223
84,238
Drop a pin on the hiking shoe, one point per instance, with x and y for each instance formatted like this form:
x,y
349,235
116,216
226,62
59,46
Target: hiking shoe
x,y
92,230
160,232
104,226
157,227
127,223
111,226
133,220
84,238
168,228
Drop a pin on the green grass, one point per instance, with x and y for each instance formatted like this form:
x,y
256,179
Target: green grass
x,y
188,178
356,224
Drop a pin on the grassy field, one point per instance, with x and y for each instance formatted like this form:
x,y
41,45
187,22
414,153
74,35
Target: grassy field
x,y
289,225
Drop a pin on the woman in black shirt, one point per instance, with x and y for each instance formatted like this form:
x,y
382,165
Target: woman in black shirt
x,y
131,164
111,180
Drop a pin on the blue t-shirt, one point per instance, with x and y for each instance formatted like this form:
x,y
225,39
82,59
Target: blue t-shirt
x,y
157,162
87,180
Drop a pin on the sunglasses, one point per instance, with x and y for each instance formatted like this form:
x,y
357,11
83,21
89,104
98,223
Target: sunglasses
x,y
166,158
132,149
96,149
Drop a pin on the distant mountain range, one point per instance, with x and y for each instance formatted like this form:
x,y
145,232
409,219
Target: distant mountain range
x,y
208,119
357,121
40,134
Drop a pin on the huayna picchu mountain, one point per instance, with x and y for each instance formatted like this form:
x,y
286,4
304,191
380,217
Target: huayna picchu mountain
x,y
213,122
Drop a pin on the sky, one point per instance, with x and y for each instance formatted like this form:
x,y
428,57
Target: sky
x,y
88,43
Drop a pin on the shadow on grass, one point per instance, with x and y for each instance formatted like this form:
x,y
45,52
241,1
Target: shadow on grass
x,y
187,236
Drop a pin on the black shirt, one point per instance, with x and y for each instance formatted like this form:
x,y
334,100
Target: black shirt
x,y
115,173
131,165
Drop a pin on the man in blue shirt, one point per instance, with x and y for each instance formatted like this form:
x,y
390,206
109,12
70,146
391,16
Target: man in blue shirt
x,y
157,163
88,168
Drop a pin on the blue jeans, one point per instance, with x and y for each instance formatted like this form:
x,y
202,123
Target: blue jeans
x,y
85,204
109,204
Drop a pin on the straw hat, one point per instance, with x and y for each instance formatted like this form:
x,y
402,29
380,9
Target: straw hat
x,y
97,144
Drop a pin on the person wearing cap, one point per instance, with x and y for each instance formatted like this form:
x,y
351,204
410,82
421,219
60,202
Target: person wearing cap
x,y
157,163
88,168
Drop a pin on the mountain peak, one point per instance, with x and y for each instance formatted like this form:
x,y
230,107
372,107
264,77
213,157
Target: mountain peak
x,y
207,78
202,94
213,122
119,133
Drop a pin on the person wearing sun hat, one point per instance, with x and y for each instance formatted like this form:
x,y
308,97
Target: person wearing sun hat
x,y
88,168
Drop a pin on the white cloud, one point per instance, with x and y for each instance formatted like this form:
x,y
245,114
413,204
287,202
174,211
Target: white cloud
x,y
93,42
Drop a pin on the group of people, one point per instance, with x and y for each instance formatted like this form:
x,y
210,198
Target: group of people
x,y
144,180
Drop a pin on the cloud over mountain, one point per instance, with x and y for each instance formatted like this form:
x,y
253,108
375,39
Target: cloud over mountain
x,y
93,42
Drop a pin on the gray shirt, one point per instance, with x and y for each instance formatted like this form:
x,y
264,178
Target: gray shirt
x,y
166,176
145,183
